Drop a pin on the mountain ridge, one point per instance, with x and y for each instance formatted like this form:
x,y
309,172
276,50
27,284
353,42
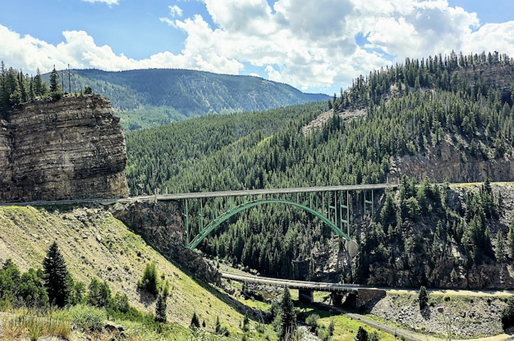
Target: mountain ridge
x,y
151,97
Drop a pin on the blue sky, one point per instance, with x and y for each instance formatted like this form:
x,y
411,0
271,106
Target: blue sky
x,y
314,45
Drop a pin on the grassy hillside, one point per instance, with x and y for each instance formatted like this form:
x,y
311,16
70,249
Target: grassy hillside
x,y
94,244
148,98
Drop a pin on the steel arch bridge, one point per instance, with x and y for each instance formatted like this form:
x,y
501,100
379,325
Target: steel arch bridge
x,y
331,205
228,214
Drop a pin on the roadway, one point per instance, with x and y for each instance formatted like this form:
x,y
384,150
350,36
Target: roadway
x,y
293,284
326,286
202,195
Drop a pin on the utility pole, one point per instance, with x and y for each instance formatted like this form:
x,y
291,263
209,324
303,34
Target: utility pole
x,y
69,79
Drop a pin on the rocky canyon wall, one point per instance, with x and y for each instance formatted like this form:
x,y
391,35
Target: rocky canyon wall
x,y
73,148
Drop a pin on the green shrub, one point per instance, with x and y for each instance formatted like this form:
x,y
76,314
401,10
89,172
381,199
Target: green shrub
x,y
120,303
87,317
150,280
99,294
32,290
221,329
508,314
312,320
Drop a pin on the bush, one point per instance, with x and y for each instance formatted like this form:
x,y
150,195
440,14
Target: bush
x,y
31,289
221,329
120,303
312,321
87,317
99,294
150,280
508,314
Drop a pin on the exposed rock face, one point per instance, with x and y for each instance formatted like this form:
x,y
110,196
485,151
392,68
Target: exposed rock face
x,y
160,224
446,163
67,149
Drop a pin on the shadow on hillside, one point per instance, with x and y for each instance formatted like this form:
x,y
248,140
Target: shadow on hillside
x,y
252,313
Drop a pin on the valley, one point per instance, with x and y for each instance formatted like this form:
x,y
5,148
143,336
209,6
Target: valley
x,y
439,130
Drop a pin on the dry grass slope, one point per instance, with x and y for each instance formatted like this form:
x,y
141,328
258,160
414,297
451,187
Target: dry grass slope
x,y
95,244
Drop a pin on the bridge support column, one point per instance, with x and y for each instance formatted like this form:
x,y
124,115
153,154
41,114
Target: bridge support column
x,y
337,298
305,296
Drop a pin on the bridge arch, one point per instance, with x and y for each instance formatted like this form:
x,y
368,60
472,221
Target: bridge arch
x,y
233,211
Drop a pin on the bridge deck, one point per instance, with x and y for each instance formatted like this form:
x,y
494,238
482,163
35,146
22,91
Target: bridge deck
x,y
318,189
200,195
291,284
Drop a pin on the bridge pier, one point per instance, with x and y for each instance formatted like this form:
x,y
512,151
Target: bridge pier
x,y
305,296
337,298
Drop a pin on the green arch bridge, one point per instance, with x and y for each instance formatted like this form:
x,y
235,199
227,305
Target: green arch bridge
x,y
228,214
331,205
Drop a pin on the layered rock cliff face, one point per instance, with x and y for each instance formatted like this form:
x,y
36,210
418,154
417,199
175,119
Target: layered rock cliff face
x,y
73,148
161,225
453,163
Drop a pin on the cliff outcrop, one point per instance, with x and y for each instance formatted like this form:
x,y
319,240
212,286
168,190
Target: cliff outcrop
x,y
73,148
453,163
161,225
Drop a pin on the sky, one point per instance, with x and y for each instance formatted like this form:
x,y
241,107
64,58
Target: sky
x,y
313,45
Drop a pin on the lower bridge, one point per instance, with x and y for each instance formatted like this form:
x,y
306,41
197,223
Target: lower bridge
x,y
354,295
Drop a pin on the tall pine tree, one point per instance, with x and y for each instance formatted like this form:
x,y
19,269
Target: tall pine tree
x,y
56,275
288,325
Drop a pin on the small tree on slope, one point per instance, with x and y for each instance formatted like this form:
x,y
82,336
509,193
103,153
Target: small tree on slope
x,y
56,275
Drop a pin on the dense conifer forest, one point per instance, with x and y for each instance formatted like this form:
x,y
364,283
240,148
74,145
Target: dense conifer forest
x,y
410,109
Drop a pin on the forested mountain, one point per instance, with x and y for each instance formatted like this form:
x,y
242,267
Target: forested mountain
x,y
455,109
146,98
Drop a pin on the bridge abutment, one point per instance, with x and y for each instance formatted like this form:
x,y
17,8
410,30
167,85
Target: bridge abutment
x,y
305,296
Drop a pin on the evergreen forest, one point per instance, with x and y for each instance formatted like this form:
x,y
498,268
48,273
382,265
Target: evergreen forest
x,y
410,109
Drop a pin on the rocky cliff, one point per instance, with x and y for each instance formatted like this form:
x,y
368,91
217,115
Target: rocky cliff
x,y
160,224
453,163
67,149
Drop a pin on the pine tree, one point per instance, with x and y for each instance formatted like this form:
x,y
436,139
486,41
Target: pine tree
x,y
56,276
55,87
362,335
288,323
500,247
54,81
510,239
423,298
160,308
40,87
195,322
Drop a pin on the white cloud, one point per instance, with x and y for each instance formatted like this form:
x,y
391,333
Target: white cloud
x,y
306,43
108,2
492,37
175,11
80,51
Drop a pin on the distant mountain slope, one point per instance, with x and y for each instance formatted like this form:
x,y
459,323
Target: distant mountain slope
x,y
157,96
